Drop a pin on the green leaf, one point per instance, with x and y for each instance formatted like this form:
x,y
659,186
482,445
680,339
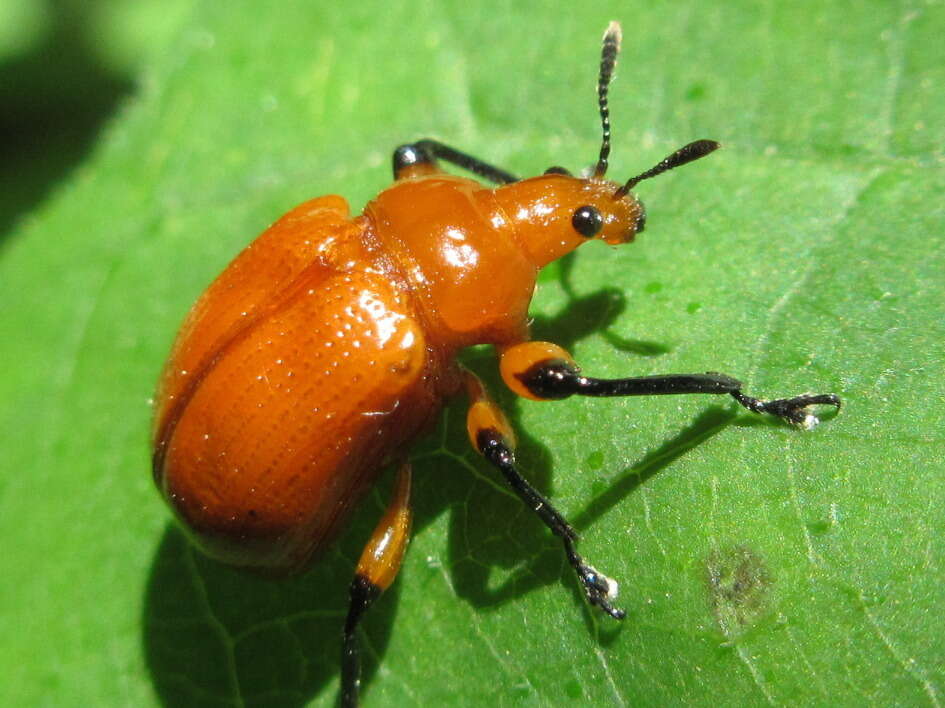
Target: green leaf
x,y
757,563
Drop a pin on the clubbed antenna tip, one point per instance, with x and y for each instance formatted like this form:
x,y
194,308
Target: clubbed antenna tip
x,y
608,61
687,153
613,33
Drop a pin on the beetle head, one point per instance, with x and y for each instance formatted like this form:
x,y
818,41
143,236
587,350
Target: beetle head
x,y
556,212
611,212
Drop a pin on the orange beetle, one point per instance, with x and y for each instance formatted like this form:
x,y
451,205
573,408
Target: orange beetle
x,y
329,345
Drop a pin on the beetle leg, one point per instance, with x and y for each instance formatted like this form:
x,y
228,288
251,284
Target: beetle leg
x,y
419,158
380,560
543,371
491,434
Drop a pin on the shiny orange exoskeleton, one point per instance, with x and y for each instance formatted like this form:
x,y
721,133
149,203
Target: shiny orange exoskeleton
x,y
329,345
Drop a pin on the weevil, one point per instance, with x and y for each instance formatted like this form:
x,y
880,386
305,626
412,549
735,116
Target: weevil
x,y
330,344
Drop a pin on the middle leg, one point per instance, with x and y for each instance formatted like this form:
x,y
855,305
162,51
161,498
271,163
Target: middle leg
x,y
492,436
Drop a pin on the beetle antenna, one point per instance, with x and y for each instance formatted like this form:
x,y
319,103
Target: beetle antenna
x,y
608,60
687,153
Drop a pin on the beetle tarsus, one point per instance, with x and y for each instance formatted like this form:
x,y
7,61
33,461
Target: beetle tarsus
x,y
599,589
793,410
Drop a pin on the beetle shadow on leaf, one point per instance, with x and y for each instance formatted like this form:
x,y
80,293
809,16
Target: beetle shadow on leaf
x,y
584,315
708,424
55,97
214,635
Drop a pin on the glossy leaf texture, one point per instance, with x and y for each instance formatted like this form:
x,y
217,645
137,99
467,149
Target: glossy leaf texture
x,y
758,564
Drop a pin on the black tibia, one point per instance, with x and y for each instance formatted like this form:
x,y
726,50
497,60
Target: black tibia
x,y
598,588
555,379
362,593
428,151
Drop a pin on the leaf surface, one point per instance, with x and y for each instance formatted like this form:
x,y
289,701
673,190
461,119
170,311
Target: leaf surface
x,y
758,564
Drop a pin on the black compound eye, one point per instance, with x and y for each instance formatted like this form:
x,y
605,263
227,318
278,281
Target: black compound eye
x,y
587,221
557,170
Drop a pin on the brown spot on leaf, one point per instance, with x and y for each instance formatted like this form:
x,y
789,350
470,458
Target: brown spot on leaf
x,y
738,583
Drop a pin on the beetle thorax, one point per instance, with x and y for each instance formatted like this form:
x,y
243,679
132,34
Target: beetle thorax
x,y
458,252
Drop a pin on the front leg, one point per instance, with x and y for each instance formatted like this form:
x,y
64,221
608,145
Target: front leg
x,y
543,371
